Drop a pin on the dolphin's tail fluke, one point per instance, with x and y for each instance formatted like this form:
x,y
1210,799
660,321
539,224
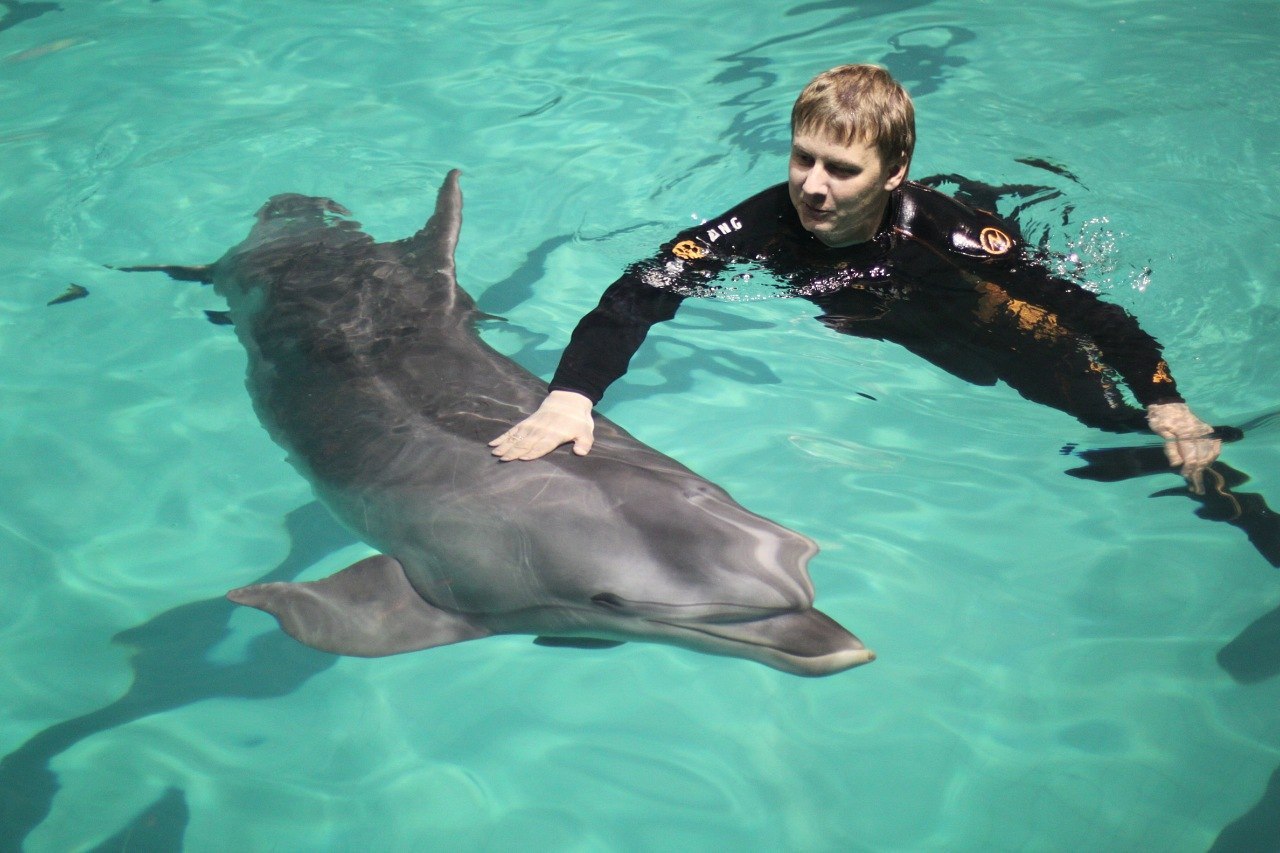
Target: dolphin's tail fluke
x,y
368,609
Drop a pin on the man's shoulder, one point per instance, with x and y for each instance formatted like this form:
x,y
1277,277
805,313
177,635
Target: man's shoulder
x,y
765,208
933,217
762,212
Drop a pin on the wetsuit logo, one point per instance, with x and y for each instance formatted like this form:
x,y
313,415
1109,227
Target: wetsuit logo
x,y
994,241
724,229
688,250
1162,373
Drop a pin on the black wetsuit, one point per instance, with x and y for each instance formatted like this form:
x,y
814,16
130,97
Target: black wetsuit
x,y
949,283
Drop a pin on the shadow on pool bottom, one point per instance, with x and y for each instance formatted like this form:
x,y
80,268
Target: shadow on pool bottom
x,y
172,669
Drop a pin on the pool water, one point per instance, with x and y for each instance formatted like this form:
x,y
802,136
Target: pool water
x,y
1063,664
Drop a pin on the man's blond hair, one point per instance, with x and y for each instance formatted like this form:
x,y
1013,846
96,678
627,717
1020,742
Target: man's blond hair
x,y
859,103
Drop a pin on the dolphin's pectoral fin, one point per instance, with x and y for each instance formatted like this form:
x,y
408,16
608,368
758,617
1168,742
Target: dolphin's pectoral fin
x,y
576,642
802,642
368,609
202,273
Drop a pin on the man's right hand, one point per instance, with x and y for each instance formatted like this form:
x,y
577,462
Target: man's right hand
x,y
1188,441
564,416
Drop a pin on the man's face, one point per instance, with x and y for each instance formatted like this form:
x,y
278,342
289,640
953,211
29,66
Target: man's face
x,y
840,190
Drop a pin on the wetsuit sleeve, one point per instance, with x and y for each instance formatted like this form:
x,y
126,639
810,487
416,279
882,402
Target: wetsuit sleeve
x,y
1124,345
945,232
602,344
650,291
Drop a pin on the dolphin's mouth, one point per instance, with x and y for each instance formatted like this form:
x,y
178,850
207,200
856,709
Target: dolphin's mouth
x,y
802,641
806,642
712,612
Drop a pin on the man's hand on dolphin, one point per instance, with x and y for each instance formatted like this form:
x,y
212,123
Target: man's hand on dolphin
x,y
564,416
1187,441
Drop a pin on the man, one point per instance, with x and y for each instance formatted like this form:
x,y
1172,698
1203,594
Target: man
x,y
888,259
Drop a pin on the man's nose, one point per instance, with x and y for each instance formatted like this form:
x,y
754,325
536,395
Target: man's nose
x,y
815,182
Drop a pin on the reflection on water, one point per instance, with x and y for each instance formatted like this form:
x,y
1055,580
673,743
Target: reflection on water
x,y
756,128
922,56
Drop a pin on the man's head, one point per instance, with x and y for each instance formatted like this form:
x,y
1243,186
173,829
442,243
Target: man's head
x,y
852,136
858,103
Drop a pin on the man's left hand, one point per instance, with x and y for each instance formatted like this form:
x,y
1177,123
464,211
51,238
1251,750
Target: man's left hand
x,y
1187,441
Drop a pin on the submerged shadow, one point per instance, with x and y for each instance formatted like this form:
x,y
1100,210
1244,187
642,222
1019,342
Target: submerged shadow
x,y
1257,829
17,12
518,287
1247,511
1254,655
680,373
172,668
160,827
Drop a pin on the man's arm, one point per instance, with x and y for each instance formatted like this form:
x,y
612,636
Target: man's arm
x,y
598,353
649,292
991,250
604,341
1136,356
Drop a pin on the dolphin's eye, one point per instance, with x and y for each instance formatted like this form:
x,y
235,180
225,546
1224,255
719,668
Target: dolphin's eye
x,y
607,599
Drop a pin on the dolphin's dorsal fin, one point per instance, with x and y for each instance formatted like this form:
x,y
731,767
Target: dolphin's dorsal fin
x,y
429,253
431,249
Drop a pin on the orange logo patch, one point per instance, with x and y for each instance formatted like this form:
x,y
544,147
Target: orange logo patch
x,y
994,241
688,250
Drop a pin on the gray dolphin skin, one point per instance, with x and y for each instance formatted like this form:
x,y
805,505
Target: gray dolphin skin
x,y
364,365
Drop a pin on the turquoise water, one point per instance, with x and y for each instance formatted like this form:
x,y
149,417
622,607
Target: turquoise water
x,y
1052,673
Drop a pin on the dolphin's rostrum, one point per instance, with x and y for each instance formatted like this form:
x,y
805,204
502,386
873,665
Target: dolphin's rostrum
x,y
365,366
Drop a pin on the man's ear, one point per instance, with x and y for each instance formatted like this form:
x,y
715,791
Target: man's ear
x,y
897,174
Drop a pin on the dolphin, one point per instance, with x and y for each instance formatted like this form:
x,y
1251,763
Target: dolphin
x,y
365,366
